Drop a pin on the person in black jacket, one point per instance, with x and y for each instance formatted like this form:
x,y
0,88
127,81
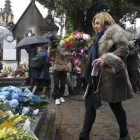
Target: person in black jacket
x,y
133,64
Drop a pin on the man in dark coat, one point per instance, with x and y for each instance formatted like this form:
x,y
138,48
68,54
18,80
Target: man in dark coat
x,y
42,76
133,64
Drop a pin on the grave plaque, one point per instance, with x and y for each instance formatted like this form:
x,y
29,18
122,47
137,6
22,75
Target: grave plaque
x,y
9,51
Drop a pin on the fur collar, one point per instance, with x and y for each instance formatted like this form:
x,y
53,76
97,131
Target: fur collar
x,y
113,35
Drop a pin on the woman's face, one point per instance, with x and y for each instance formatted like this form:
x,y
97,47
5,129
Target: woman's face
x,y
97,26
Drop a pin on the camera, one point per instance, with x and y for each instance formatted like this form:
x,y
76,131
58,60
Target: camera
x,y
54,41
137,41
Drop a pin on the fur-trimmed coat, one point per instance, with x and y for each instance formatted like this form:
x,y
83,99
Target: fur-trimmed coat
x,y
113,49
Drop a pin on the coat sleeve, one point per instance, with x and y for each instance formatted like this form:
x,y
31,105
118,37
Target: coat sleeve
x,y
50,52
121,50
133,51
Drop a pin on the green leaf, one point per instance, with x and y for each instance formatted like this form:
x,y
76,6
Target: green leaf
x,y
40,103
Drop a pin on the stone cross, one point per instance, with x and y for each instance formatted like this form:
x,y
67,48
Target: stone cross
x,y
29,33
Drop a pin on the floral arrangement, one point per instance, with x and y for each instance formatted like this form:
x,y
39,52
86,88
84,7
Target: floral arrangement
x,y
75,42
15,126
20,102
15,113
6,71
21,69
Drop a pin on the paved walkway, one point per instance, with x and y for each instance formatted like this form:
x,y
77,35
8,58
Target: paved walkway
x,y
70,115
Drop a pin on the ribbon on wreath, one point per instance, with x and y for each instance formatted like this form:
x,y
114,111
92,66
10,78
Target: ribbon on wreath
x,y
77,56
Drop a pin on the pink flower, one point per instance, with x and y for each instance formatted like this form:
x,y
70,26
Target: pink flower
x,y
76,32
78,36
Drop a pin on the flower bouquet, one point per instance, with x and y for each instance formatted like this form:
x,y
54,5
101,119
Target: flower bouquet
x,y
15,126
19,102
21,69
76,44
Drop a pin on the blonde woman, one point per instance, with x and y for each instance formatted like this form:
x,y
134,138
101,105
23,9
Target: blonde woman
x,y
108,54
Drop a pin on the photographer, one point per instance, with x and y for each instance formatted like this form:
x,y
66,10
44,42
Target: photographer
x,y
133,64
60,70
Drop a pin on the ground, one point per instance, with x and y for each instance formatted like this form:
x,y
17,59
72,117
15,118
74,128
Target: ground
x,y
70,115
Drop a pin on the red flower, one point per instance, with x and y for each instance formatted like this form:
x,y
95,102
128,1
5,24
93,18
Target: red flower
x,y
24,66
76,32
1,72
15,75
66,44
50,59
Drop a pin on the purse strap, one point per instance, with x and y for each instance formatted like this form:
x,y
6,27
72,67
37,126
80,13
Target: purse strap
x,y
100,79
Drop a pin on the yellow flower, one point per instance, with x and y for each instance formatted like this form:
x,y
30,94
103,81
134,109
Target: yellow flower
x,y
67,39
18,119
1,112
71,37
7,124
11,130
2,132
11,116
2,135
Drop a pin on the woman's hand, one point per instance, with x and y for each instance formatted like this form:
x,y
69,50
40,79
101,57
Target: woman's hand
x,y
98,62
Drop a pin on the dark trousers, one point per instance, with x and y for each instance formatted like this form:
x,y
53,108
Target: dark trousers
x,y
80,81
90,115
59,84
133,79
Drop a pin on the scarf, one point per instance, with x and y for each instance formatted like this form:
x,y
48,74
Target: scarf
x,y
93,80
44,50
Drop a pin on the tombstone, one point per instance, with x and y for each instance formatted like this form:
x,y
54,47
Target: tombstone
x,y
10,55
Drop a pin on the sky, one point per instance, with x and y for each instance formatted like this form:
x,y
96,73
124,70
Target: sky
x,y
19,6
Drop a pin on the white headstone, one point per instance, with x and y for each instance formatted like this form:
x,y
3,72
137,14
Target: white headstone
x,y
9,51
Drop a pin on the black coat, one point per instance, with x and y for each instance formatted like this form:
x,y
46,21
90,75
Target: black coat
x,y
133,59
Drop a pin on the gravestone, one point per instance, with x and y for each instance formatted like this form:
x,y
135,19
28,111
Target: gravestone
x,y
10,54
9,51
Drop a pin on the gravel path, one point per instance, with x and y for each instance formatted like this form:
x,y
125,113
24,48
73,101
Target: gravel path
x,y
70,115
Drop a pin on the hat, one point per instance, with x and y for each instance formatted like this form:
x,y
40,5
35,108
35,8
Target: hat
x,y
131,43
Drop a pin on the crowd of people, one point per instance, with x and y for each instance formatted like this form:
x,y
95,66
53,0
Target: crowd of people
x,y
116,62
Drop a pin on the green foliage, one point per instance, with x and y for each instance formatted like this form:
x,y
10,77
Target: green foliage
x,y
79,13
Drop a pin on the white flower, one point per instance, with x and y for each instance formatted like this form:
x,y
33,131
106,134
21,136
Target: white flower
x,y
21,63
62,42
86,37
26,125
2,97
25,110
35,112
8,112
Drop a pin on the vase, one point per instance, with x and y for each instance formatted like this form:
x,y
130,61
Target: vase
x,y
26,74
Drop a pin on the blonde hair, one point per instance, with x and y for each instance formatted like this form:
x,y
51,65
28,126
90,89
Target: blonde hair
x,y
104,18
